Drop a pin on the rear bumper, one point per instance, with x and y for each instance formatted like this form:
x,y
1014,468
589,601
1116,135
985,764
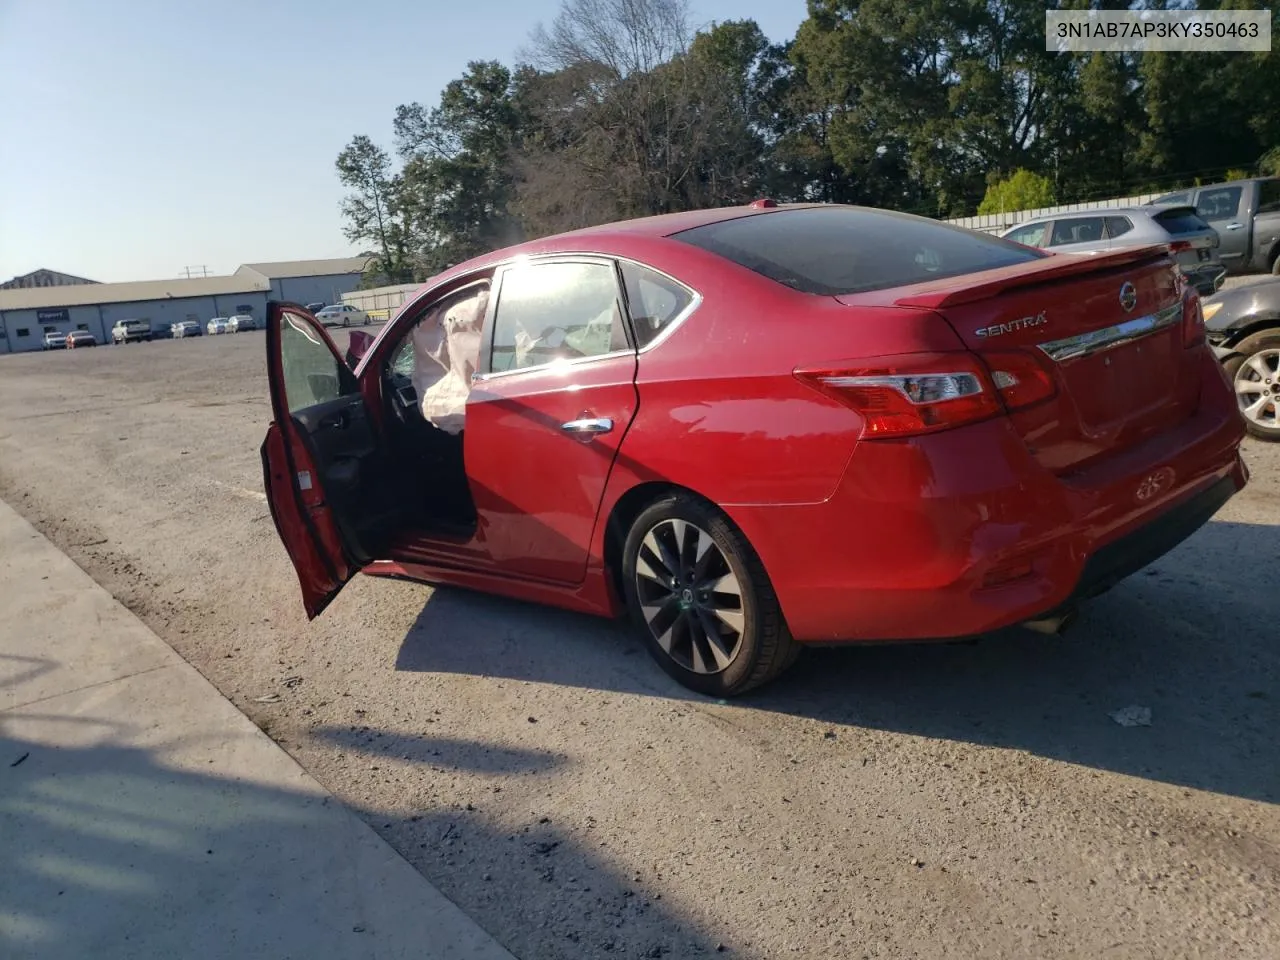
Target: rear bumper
x,y
963,532
1121,558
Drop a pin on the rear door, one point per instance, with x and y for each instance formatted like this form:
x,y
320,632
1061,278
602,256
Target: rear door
x,y
321,460
1225,209
548,412
1078,235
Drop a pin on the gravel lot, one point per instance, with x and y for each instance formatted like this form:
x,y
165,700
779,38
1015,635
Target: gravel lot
x,y
924,801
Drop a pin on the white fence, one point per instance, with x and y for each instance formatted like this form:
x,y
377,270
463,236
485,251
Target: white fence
x,y
995,222
380,302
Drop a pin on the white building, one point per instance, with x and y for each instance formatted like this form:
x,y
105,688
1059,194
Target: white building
x,y
310,281
27,314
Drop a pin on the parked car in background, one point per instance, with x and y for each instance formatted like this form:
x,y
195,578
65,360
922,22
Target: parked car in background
x,y
1246,214
54,340
1243,326
344,314
218,325
81,338
754,428
187,328
315,308
241,322
1193,242
130,331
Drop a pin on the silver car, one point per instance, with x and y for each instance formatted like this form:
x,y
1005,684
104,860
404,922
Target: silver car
x,y
1193,242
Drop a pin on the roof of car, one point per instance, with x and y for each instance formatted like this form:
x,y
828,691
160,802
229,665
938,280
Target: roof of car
x,y
1143,210
610,237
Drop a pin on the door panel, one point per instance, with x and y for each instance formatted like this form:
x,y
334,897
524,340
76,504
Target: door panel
x,y
546,416
318,455
537,483
305,528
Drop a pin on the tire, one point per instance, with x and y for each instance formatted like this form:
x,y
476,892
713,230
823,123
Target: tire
x,y
675,625
1275,262
1257,360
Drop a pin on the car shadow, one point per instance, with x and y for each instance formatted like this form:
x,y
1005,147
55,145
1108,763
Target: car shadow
x,y
112,844
1192,637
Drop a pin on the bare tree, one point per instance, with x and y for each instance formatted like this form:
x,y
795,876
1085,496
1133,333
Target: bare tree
x,y
626,36
629,120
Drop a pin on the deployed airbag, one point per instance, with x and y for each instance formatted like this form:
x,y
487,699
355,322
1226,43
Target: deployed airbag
x,y
446,350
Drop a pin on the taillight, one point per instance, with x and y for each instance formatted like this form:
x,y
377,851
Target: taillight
x,y
1192,318
1020,378
1179,245
909,395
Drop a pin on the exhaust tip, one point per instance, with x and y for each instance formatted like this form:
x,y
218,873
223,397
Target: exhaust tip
x,y
1054,625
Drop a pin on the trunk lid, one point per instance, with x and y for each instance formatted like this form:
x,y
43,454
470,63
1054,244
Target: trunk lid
x,y
1107,328
1193,242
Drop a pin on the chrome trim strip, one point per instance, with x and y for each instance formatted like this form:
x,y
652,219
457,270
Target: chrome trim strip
x,y
1095,341
568,364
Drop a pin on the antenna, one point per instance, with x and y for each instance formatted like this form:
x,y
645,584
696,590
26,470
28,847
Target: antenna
x,y
196,271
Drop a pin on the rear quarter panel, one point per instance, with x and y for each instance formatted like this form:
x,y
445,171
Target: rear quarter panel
x,y
721,411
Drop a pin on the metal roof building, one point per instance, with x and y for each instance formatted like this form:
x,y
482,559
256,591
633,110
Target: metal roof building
x,y
27,313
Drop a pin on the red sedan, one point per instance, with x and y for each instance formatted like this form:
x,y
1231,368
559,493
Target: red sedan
x,y
759,428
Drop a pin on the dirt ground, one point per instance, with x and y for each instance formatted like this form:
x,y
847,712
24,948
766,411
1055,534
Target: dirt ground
x,y
896,802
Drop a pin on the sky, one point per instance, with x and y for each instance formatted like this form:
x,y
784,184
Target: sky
x,y
144,137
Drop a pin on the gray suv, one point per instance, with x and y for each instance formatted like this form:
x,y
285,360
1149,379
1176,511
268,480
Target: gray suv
x,y
1192,241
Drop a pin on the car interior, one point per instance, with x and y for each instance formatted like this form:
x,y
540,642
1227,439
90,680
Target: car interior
x,y
426,383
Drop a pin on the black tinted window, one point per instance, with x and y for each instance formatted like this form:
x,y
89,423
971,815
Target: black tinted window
x,y
1118,226
654,300
556,311
1076,230
1219,204
1181,220
1269,196
835,250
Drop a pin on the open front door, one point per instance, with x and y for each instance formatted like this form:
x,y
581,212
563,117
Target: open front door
x,y
321,460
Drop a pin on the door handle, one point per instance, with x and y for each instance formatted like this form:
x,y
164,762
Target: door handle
x,y
587,427
334,421
1235,226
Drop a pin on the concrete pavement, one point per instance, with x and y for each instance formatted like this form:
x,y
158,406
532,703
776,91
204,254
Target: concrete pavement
x,y
142,815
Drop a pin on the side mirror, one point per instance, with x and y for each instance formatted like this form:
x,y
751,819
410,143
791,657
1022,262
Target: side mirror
x,y
357,346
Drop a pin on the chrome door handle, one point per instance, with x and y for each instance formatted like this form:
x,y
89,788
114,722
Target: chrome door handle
x,y
1235,226
588,427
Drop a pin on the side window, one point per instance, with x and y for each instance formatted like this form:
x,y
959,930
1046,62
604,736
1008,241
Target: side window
x,y
1032,234
1118,226
23,332
312,374
1269,196
654,301
1220,204
554,311
1076,230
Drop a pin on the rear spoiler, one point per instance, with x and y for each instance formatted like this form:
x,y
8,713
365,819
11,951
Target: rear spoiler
x,y
1058,266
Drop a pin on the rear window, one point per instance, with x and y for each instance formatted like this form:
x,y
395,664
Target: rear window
x,y
1181,220
842,250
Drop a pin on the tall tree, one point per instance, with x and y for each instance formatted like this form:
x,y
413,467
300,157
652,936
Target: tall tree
x,y
458,170
373,209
